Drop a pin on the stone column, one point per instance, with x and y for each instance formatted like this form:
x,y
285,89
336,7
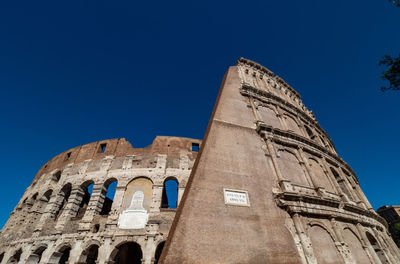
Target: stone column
x,y
116,205
157,196
310,174
368,247
333,181
148,252
94,206
52,205
180,194
71,208
283,183
304,240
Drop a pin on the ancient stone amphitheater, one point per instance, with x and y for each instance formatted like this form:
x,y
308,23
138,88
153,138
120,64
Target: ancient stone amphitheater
x,y
67,215
266,186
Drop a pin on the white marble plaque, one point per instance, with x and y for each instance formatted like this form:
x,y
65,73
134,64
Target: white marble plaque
x,y
236,197
135,217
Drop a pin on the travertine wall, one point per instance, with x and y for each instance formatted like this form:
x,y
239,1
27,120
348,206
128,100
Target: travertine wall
x,y
305,203
44,224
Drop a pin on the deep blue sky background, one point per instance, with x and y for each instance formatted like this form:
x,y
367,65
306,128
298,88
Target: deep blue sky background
x,y
75,72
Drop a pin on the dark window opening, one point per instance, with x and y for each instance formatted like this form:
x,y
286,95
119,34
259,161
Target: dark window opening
x,y
68,156
1,257
129,253
309,132
195,147
96,228
108,192
65,193
102,148
57,176
87,189
159,249
170,194
46,195
38,253
65,256
16,257
92,254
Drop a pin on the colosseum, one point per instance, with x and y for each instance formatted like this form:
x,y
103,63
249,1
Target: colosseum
x,y
265,185
68,216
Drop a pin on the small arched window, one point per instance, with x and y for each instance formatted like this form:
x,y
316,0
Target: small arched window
x,y
158,252
91,254
64,196
170,193
310,133
108,192
86,188
64,255
16,257
36,255
57,176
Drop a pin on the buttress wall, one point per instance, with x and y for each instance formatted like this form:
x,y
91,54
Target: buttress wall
x,y
304,203
58,213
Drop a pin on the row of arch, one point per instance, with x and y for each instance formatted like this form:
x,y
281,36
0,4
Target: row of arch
x,y
326,246
275,87
270,116
70,196
307,170
124,253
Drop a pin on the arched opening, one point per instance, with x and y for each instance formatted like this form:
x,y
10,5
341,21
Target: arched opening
x,y
292,125
324,247
16,257
1,257
87,189
36,256
90,255
63,196
309,133
57,176
269,117
341,182
64,255
355,246
170,193
377,248
108,192
128,253
321,178
34,197
158,252
291,168
142,184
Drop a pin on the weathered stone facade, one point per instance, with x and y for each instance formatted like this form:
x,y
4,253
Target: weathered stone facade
x,y
58,221
296,200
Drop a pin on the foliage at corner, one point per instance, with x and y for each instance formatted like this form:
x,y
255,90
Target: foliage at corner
x,y
392,72
397,226
395,2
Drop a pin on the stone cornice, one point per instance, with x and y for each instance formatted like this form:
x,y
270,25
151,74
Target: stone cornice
x,y
287,137
247,90
329,208
253,64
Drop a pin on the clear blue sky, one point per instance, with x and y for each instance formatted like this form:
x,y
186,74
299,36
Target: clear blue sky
x,y
74,72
